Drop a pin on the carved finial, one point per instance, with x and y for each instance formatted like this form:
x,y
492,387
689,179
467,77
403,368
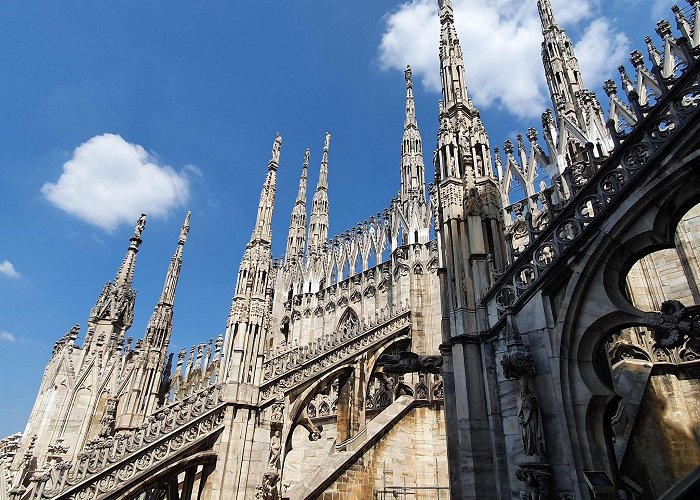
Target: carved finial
x,y
624,77
408,74
636,58
531,134
327,144
307,155
610,87
140,226
663,28
519,138
508,147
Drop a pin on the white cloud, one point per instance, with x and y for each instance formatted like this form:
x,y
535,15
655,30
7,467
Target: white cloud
x,y
110,181
501,41
8,269
7,337
600,38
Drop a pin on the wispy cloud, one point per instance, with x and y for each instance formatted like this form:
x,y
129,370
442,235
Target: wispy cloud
x,y
8,269
110,181
6,337
600,38
501,41
662,9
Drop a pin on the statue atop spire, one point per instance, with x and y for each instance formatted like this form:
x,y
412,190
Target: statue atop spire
x,y
454,87
125,275
445,4
412,166
140,226
263,225
297,226
318,223
160,325
113,312
560,64
570,97
546,15
276,150
185,229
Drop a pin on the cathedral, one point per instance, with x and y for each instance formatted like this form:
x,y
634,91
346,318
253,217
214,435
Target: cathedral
x,y
523,324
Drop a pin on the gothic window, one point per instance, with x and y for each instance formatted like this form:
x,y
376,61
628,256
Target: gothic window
x,y
348,324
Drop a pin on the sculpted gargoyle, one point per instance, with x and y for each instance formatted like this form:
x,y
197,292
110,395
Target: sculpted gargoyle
x,y
410,362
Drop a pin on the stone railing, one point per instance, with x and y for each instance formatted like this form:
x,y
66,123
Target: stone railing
x,y
106,465
303,363
596,185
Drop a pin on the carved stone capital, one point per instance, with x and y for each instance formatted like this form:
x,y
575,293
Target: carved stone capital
x,y
518,362
537,479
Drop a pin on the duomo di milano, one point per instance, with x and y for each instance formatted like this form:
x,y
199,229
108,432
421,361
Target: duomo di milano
x,y
463,343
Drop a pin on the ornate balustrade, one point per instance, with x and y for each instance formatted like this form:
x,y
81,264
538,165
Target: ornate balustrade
x,y
106,465
596,185
298,365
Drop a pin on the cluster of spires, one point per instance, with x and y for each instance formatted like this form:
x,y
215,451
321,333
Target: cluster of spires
x,y
308,237
308,240
459,120
113,312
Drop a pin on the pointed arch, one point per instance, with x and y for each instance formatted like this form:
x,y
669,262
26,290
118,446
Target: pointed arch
x,y
349,324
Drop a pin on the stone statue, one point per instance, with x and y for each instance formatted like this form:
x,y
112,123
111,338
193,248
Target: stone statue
x,y
268,488
275,450
276,148
529,418
140,225
109,418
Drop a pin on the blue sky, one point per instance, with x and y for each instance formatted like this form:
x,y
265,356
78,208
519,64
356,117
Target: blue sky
x,y
190,95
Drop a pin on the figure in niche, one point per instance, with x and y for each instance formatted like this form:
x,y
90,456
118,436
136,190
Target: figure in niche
x,y
348,325
438,389
531,427
275,450
453,167
403,389
479,167
383,395
109,418
421,388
